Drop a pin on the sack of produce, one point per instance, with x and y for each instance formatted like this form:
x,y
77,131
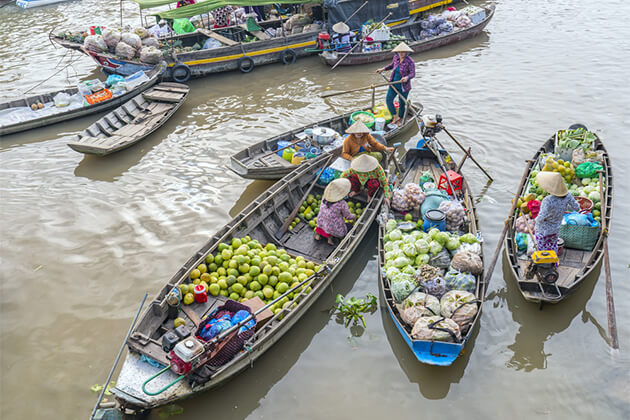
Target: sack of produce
x,y
455,214
456,280
150,55
399,202
131,39
416,305
435,286
445,27
111,38
141,32
153,42
580,156
402,287
442,260
62,99
466,247
414,195
112,79
467,262
436,328
426,272
522,222
124,50
588,170
95,43
460,306
463,21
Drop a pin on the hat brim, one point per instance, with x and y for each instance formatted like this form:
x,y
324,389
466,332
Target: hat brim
x,y
358,128
553,184
337,190
364,163
402,47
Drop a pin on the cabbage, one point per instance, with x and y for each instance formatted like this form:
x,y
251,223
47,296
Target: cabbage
x,y
395,235
402,277
422,259
410,250
392,255
409,270
433,232
468,238
386,237
408,239
418,234
452,243
389,246
422,246
435,247
441,238
390,225
585,181
391,272
401,261
594,196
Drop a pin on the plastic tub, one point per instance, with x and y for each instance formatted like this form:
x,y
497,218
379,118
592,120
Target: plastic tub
x,y
287,154
379,124
313,152
434,219
281,144
368,124
298,157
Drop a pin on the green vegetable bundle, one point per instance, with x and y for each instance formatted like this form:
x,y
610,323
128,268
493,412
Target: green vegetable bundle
x,y
576,139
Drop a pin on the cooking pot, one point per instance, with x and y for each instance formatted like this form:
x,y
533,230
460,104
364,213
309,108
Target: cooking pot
x,y
323,135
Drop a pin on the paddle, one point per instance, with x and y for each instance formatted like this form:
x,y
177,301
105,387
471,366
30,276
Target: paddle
x,y
328,95
286,224
359,43
506,226
610,303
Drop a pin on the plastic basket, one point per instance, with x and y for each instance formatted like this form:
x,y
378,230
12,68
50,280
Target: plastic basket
x,y
586,205
368,125
579,237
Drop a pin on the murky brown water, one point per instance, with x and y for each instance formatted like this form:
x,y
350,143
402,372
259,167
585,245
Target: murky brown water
x,y
84,238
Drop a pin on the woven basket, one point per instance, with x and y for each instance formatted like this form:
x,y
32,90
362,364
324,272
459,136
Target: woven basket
x,y
579,237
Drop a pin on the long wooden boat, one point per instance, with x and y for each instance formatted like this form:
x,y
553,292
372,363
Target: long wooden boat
x,y
411,31
70,112
259,161
441,353
260,220
132,121
574,265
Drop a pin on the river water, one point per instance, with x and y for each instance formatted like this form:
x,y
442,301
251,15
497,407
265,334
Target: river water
x,y
83,238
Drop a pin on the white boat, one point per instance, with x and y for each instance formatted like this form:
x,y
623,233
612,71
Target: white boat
x,y
27,4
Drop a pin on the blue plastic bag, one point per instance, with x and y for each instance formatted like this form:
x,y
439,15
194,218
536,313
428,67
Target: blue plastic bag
x,y
239,316
112,79
521,241
579,219
327,176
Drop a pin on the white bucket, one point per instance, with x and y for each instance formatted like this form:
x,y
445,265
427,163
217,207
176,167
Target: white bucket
x,y
379,124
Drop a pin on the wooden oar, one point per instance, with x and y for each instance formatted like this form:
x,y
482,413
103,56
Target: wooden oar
x,y
488,275
610,302
467,152
359,43
286,224
328,95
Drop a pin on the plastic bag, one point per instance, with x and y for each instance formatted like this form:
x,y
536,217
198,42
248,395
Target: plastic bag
x,y
211,43
111,38
588,170
463,21
441,260
460,306
455,214
445,27
522,222
414,195
426,272
435,286
150,55
416,305
141,32
95,43
151,42
399,203
124,50
401,289
136,79
62,99
579,156
521,241
467,262
112,79
474,248
436,328
183,26
328,175
579,219
131,39
456,280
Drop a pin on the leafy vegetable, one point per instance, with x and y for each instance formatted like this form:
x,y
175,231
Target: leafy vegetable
x,y
352,309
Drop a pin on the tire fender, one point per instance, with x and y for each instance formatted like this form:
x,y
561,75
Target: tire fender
x,y
288,56
245,64
181,73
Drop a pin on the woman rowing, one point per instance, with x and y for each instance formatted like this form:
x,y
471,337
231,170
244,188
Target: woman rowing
x,y
404,69
359,141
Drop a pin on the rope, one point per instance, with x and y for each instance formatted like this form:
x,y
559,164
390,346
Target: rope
x,y
54,74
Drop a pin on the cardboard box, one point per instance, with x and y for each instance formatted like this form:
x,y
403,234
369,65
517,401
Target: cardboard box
x,y
255,304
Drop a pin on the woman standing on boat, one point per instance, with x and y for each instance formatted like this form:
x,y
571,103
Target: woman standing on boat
x,y
404,69
333,211
552,209
359,140
365,173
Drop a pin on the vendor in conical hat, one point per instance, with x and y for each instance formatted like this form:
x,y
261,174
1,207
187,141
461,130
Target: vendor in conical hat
x,y
403,70
552,209
366,174
333,210
341,37
359,140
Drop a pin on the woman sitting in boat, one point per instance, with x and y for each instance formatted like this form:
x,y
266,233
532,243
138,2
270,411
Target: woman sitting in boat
x,y
365,174
341,37
333,210
359,141
404,69
552,209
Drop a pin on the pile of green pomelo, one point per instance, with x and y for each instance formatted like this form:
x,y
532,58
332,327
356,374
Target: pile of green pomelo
x,y
310,209
244,269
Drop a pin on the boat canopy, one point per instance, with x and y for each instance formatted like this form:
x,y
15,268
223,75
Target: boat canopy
x,y
376,10
208,5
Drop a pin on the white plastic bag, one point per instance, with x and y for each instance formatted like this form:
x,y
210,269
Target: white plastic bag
x,y
131,39
95,43
124,50
62,99
150,55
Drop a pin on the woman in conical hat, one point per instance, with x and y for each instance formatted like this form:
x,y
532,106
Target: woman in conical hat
x,y
365,173
333,211
404,69
359,140
552,209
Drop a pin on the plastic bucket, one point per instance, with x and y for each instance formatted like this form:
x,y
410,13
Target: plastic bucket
x,y
281,144
379,124
434,219
287,154
298,157
313,152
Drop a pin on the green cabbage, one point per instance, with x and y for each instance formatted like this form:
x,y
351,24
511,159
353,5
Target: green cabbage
x,y
422,246
391,272
441,238
409,270
410,250
433,232
389,246
422,259
402,277
468,238
594,196
390,225
401,261
452,243
418,234
435,247
395,235
408,239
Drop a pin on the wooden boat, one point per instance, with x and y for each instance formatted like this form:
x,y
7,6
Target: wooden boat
x,y
260,220
259,161
132,121
411,31
575,265
27,4
414,163
45,118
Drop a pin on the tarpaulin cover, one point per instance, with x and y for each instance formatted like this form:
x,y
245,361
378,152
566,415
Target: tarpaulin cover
x,y
375,10
207,6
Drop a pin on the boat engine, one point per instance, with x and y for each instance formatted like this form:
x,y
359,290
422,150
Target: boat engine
x,y
431,125
185,357
543,266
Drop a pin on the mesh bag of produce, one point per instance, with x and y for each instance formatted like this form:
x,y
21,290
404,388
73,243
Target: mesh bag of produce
x,y
522,222
426,272
416,305
435,286
463,22
131,39
150,55
456,280
442,260
402,288
399,203
588,170
474,248
141,32
153,42
455,214
436,328
95,43
445,27
580,156
460,306
414,195
124,50
111,38
467,262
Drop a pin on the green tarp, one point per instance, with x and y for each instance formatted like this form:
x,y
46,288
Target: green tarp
x,y
208,5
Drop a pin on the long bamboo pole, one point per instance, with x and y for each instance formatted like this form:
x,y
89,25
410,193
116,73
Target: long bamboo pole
x,y
469,155
328,95
610,301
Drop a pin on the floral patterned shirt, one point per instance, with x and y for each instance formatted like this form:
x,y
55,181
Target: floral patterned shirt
x,y
407,69
377,173
330,218
551,212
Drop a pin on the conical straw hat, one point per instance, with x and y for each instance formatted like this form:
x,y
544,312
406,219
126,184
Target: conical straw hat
x,y
341,28
357,128
337,190
552,182
364,163
402,47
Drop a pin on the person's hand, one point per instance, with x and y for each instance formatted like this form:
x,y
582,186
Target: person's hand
x,y
387,202
389,149
404,79
379,71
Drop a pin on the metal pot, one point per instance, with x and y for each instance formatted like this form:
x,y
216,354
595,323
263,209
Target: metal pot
x,y
323,135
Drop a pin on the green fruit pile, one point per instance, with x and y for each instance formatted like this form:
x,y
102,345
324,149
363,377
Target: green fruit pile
x,y
244,269
310,209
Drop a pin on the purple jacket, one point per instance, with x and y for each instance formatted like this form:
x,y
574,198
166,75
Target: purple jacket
x,y
407,69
